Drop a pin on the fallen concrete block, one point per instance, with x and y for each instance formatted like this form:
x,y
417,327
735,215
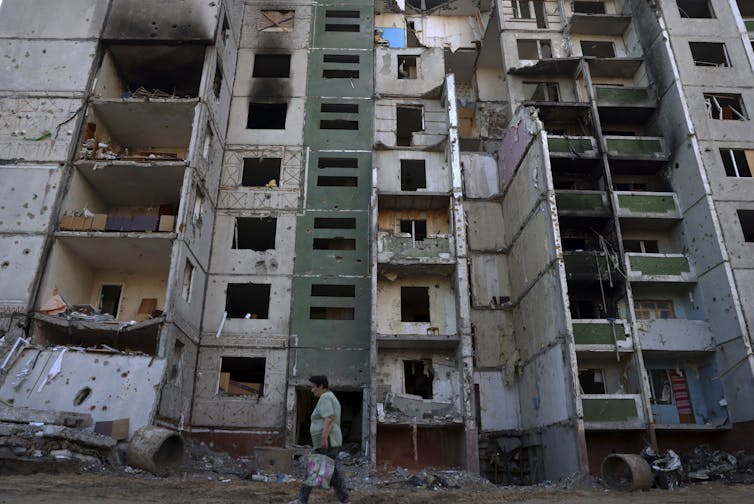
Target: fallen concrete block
x,y
80,437
27,415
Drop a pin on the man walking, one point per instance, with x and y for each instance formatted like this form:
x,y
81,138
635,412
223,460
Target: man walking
x,y
326,436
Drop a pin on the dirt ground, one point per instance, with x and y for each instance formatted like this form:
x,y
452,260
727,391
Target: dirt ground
x,y
106,489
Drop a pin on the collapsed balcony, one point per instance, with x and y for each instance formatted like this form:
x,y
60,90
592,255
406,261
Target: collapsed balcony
x,y
596,18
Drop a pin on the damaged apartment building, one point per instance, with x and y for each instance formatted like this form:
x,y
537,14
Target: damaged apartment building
x,y
516,235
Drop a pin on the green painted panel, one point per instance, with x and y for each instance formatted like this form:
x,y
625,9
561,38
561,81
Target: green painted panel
x,y
406,247
657,265
647,203
580,201
340,366
634,146
328,118
325,168
338,72
597,334
609,410
749,25
622,96
344,24
349,252
568,145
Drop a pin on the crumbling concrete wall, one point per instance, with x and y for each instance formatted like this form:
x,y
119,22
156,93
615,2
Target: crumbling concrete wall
x,y
442,308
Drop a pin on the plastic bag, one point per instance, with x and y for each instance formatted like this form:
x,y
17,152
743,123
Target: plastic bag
x,y
319,470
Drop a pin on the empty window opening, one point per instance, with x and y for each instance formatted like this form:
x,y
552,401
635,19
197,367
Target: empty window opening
x,y
661,385
630,186
413,174
652,309
340,58
598,49
217,82
586,309
418,377
267,116
409,119
521,9
411,39
335,181
340,74
334,223
338,243
275,21
736,162
641,246
188,280
415,304
261,172
272,66
340,108
709,54
208,138
342,27
531,49
746,218
254,233
530,9
247,300
542,91
592,381
333,290
109,299
695,9
242,375
726,107
573,243
338,162
342,14
338,124
331,313
589,7
408,67
416,228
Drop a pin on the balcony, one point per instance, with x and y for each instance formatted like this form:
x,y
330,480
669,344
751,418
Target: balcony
x,y
601,335
612,411
624,104
432,339
636,155
598,24
402,248
749,23
675,335
572,146
659,268
646,210
577,203
587,265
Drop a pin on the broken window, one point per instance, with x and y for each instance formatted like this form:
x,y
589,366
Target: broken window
x,y
409,119
342,14
338,243
709,54
247,300
272,66
652,309
583,7
416,228
592,381
530,9
521,9
661,385
217,82
641,246
598,49
726,107
188,280
267,115
261,172
334,223
242,375
413,174
736,162
331,313
415,304
254,233
408,67
275,21
542,91
418,377
531,49
339,124
340,73
695,9
746,219
109,299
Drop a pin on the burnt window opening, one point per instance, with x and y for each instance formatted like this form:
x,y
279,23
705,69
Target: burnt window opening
x,y
586,309
592,381
725,107
641,246
709,54
746,219
408,67
573,243
415,304
337,181
261,172
267,116
254,233
242,375
416,228
273,66
418,376
109,299
695,9
338,243
333,290
334,223
247,300
409,120
275,20
582,7
630,186
598,48
652,309
331,313
217,82
413,174
736,162
188,280
532,49
338,162
543,91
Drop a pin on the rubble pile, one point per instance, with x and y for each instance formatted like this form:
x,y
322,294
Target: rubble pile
x,y
705,463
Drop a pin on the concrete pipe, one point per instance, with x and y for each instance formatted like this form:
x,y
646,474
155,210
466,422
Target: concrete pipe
x,y
157,450
626,471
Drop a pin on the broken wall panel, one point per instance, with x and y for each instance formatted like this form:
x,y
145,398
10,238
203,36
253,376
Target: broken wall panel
x,y
27,211
389,173
177,390
68,64
498,402
494,342
187,20
408,72
21,255
442,307
439,370
284,25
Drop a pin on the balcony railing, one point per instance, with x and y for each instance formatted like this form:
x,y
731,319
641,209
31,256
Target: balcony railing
x,y
675,335
586,265
612,411
588,332
399,247
619,96
749,23
647,205
659,268
627,147
583,203
577,146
